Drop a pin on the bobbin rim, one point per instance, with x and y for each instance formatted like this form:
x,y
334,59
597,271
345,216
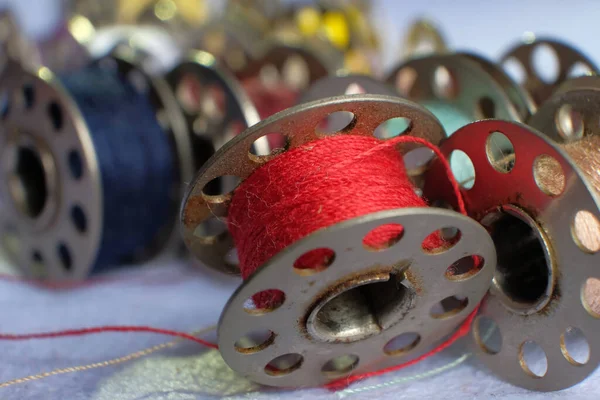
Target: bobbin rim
x,y
234,159
419,85
39,250
238,107
424,272
566,55
554,216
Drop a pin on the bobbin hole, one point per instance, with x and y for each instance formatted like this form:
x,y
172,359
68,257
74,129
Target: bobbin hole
x,y
264,302
545,62
295,72
441,240
4,104
549,175
405,81
524,274
532,359
75,164
78,218
64,256
417,160
284,365
449,307
463,169
590,296
28,185
221,186
402,344
585,231
569,123
340,366
485,108
56,116
392,127
515,69
277,143
575,346
28,94
487,334
579,69
360,308
338,121
210,228
314,261
464,268
383,237
37,264
500,152
445,84
255,341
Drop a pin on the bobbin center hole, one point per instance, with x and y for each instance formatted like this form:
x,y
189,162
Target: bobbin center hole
x,y
524,274
28,183
361,307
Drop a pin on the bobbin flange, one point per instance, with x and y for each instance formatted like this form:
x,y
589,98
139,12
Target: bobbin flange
x,y
202,210
222,109
50,171
367,310
533,202
568,58
455,80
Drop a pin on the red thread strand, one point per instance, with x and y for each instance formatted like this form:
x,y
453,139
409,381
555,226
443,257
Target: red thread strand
x,y
102,329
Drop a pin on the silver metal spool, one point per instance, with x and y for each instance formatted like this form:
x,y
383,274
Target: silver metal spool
x,y
212,127
201,211
456,80
516,194
566,56
343,85
43,123
299,328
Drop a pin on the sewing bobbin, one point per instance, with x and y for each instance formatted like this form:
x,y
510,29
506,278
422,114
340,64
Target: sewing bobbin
x,y
53,215
541,210
324,328
569,62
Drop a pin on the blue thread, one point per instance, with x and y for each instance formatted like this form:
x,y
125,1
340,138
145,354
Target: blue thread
x,y
135,162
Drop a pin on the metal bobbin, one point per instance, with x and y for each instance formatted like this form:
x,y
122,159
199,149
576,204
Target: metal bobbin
x,y
201,210
331,86
423,37
41,117
569,60
533,202
215,105
367,309
456,80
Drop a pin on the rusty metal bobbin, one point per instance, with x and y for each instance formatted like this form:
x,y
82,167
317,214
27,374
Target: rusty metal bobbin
x,y
568,59
366,309
201,210
458,82
538,206
34,125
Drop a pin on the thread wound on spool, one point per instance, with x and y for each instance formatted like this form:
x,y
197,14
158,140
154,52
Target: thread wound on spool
x,y
322,183
134,158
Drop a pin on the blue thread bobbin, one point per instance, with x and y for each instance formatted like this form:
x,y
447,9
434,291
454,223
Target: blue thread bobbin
x,y
94,165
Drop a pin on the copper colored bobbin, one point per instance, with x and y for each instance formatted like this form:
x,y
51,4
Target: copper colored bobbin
x,y
567,58
538,319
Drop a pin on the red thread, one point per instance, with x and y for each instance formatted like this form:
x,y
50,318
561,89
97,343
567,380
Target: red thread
x,y
101,329
315,186
335,165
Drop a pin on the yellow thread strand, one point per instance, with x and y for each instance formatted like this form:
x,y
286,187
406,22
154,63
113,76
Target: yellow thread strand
x,y
101,364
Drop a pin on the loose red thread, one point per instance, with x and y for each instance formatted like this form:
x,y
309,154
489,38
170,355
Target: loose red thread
x,y
335,164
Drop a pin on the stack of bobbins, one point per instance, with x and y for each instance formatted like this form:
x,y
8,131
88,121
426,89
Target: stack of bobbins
x,y
331,321
542,65
536,328
53,213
